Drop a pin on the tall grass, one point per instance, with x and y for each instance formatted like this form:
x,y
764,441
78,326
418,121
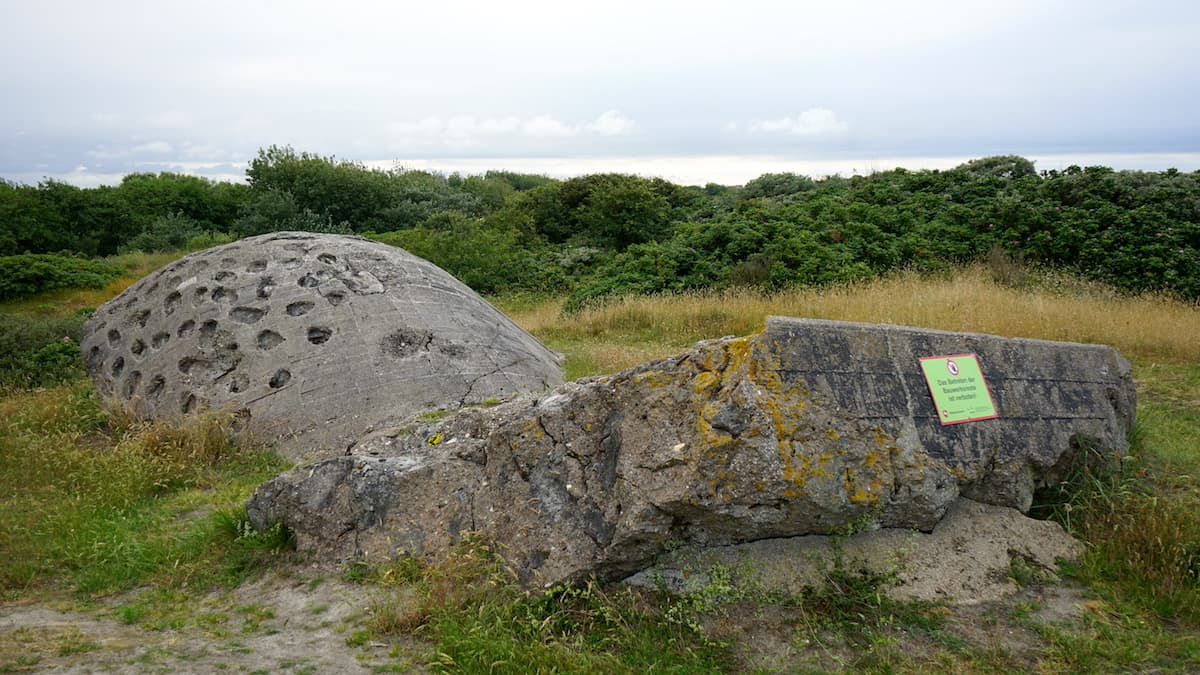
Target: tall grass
x,y
94,497
66,301
1150,327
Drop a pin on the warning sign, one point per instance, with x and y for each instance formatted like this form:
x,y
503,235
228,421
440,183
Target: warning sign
x,y
958,388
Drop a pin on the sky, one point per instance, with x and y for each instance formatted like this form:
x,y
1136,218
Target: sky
x,y
691,91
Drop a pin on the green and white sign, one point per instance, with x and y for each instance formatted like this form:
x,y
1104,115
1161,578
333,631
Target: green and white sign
x,y
959,391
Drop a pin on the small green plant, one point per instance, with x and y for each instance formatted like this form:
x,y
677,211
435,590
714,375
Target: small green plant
x,y
393,572
253,616
402,570
358,638
250,547
76,643
131,614
433,415
357,572
864,522
1024,572
688,609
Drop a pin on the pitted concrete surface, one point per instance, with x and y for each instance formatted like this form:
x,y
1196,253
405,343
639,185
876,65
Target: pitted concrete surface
x,y
315,338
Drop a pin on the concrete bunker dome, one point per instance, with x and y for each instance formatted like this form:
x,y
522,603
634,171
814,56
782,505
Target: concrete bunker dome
x,y
316,338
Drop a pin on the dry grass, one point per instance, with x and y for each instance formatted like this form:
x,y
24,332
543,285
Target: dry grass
x,y
628,331
140,264
67,300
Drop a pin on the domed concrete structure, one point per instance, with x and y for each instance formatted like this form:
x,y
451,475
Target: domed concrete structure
x,y
317,338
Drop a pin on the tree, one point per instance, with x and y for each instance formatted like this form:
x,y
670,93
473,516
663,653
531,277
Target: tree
x,y
624,210
339,191
777,185
1001,166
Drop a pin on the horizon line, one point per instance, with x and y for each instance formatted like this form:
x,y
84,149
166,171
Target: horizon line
x,y
698,169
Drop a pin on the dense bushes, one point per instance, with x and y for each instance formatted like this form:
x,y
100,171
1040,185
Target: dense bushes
x,y
486,257
55,216
24,275
607,234
1137,231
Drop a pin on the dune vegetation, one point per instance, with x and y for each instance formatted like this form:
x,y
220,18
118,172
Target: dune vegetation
x,y
143,521
137,529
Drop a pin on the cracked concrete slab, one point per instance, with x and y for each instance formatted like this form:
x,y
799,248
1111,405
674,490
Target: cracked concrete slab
x,y
806,428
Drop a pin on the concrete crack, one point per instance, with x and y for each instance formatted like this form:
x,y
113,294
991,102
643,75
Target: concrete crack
x,y
552,437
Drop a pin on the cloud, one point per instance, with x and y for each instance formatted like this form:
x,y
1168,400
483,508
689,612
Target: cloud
x,y
811,122
171,119
467,125
462,131
154,146
109,152
430,126
545,126
611,123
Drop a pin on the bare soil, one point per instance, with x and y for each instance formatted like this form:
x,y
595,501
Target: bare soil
x,y
299,621
289,621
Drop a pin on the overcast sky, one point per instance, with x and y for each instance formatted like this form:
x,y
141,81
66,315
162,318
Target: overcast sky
x,y
693,91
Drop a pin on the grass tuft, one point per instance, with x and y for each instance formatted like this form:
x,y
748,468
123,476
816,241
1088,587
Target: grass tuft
x,y
109,502
479,620
1140,516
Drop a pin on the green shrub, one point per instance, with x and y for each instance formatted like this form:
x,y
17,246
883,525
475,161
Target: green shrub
x,y
490,257
40,352
170,232
33,273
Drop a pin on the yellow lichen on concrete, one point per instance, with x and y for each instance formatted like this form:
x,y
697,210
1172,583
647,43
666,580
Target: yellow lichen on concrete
x,y
712,388
875,459
533,428
881,438
863,494
705,383
823,460
784,405
652,379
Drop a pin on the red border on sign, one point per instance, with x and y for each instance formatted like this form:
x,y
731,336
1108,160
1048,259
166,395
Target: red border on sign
x,y
986,389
